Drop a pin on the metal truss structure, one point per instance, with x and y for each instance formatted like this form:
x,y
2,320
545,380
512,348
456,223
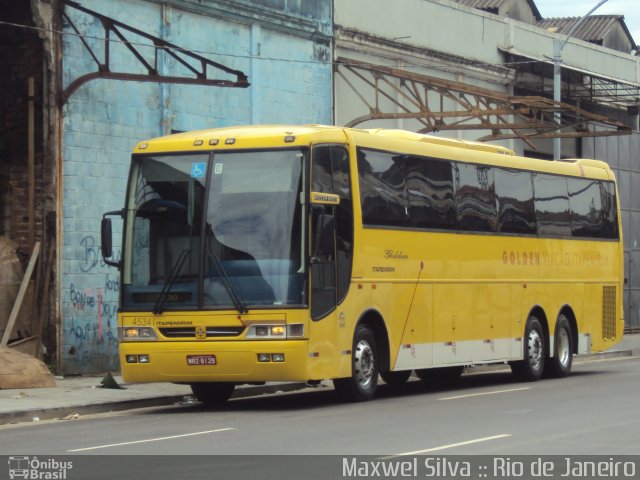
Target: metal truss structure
x,y
199,68
409,95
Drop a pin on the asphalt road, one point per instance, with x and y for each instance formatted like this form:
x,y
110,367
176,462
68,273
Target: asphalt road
x,y
594,411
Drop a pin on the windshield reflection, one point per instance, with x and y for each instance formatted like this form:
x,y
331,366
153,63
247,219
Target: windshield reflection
x,y
252,231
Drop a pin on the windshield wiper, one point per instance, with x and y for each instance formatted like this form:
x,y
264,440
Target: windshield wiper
x,y
158,308
231,290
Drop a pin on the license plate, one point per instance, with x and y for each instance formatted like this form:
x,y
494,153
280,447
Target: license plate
x,y
201,360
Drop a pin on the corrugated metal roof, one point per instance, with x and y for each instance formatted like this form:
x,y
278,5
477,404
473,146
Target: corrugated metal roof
x,y
481,4
593,29
492,5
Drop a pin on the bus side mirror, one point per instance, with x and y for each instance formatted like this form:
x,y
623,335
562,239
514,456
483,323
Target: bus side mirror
x,y
106,238
106,235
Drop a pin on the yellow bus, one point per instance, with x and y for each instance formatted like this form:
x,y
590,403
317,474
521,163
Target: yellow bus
x,y
303,253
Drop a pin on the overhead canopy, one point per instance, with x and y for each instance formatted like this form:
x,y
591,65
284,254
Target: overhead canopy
x,y
422,97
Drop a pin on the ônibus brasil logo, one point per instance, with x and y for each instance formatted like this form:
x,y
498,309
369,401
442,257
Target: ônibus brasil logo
x,y
34,469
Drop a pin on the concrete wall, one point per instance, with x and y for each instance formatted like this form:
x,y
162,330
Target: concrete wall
x,y
269,40
438,38
621,153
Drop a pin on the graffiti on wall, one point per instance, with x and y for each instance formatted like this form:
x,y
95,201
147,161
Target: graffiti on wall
x,y
90,314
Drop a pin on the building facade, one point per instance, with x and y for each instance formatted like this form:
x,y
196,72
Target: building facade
x,y
265,61
480,70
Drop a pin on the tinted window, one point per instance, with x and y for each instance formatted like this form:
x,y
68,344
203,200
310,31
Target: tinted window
x,y
475,197
585,200
552,205
430,193
609,211
382,188
514,192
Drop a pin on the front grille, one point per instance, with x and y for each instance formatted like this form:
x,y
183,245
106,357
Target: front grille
x,y
190,332
608,312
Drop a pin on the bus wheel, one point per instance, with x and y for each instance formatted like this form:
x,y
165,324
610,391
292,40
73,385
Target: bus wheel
x,y
440,377
559,366
364,377
396,379
532,367
212,393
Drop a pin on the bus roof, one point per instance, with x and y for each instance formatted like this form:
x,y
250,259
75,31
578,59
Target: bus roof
x,y
401,141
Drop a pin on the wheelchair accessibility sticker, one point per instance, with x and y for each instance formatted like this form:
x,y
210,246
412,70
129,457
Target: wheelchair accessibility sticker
x,y
198,170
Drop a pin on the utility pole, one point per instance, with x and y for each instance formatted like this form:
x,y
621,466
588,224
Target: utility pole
x,y
558,45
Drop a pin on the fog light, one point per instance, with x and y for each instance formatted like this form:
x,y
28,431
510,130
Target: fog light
x,y
143,358
264,357
277,357
132,358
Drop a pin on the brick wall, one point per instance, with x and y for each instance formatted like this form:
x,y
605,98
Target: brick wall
x,y
21,57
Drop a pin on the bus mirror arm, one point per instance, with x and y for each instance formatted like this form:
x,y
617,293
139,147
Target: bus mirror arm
x,y
106,234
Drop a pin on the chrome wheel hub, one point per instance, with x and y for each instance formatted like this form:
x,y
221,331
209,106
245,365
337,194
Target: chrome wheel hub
x,y
535,351
363,363
563,347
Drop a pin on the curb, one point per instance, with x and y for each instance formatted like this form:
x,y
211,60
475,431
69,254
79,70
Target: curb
x,y
59,413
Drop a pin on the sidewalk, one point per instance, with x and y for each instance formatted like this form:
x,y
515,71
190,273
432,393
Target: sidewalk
x,y
76,396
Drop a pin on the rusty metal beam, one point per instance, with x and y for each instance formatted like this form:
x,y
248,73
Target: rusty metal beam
x,y
562,134
197,65
480,108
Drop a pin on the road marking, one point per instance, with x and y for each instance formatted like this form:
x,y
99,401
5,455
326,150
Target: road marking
x,y
495,392
451,445
157,439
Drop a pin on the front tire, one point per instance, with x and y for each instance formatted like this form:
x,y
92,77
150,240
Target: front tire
x,y
532,367
364,377
212,393
559,366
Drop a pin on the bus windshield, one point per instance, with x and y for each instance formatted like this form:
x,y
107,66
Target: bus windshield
x,y
239,245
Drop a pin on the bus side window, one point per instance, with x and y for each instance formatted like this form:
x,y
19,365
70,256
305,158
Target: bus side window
x,y
552,205
514,192
430,193
475,197
585,201
609,210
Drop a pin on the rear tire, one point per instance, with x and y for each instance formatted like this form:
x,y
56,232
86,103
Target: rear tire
x,y
364,377
212,393
532,367
440,377
559,366
396,379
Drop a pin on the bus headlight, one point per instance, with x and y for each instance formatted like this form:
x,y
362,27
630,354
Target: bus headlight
x,y
272,332
136,333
